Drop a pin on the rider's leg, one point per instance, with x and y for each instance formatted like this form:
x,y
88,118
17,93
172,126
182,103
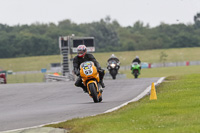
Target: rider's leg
x,y
79,83
101,75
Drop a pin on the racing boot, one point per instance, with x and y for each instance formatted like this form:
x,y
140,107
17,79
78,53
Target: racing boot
x,y
102,83
101,90
84,88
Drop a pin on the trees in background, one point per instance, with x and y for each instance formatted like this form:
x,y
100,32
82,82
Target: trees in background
x,y
42,39
197,20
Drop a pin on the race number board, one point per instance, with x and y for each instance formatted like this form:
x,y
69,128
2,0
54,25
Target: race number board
x,y
87,41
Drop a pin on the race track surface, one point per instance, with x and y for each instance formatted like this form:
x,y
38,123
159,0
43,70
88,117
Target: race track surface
x,y
33,104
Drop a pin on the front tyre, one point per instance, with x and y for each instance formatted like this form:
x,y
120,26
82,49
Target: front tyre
x,y
136,74
94,93
114,77
100,98
113,73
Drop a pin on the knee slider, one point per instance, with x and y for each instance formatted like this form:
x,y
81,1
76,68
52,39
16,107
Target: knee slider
x,y
77,84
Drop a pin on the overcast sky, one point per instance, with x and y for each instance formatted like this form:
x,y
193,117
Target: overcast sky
x,y
126,12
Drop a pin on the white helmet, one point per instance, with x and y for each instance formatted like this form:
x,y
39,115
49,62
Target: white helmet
x,y
112,55
137,57
81,50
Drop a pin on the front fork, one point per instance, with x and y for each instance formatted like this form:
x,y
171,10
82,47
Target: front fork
x,y
96,86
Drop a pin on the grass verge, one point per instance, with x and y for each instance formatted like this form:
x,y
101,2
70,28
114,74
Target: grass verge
x,y
25,78
164,71
126,57
175,111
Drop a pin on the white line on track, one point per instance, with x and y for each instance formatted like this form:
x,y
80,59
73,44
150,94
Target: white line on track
x,y
144,93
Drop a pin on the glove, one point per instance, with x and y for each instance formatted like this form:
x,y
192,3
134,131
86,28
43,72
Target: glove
x,y
98,69
101,71
78,73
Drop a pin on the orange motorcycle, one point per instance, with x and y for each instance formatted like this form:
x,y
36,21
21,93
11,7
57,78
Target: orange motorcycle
x,y
90,78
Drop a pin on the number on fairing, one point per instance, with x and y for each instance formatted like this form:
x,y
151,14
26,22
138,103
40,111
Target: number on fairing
x,y
87,68
88,71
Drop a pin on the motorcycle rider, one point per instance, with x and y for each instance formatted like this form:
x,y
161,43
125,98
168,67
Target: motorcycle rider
x,y
81,57
113,57
136,60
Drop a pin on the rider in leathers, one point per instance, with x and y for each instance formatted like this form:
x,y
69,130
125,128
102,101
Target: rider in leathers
x,y
137,60
82,57
113,57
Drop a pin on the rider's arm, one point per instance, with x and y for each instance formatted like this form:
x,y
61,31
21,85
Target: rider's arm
x,y
95,61
76,66
117,59
139,61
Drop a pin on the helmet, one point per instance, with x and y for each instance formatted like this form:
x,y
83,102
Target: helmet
x,y
112,55
137,57
81,50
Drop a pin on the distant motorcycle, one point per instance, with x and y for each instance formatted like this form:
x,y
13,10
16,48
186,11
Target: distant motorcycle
x,y
135,69
113,68
90,78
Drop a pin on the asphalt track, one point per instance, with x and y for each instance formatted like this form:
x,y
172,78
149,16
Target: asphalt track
x,y
33,104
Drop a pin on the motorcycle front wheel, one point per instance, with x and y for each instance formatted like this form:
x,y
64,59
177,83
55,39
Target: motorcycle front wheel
x,y
113,73
136,76
94,93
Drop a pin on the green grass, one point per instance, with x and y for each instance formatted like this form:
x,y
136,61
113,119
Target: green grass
x,y
29,63
151,56
164,71
176,111
25,78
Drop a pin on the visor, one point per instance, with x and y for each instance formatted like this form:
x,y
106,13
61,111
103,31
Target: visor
x,y
81,53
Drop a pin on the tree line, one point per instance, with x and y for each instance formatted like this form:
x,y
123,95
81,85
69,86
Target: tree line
x,y
42,39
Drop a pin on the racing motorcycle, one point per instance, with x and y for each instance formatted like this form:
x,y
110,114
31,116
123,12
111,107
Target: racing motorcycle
x,y
135,69
90,78
113,68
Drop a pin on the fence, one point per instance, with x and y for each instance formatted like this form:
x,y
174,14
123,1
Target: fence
x,y
51,77
174,64
166,64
